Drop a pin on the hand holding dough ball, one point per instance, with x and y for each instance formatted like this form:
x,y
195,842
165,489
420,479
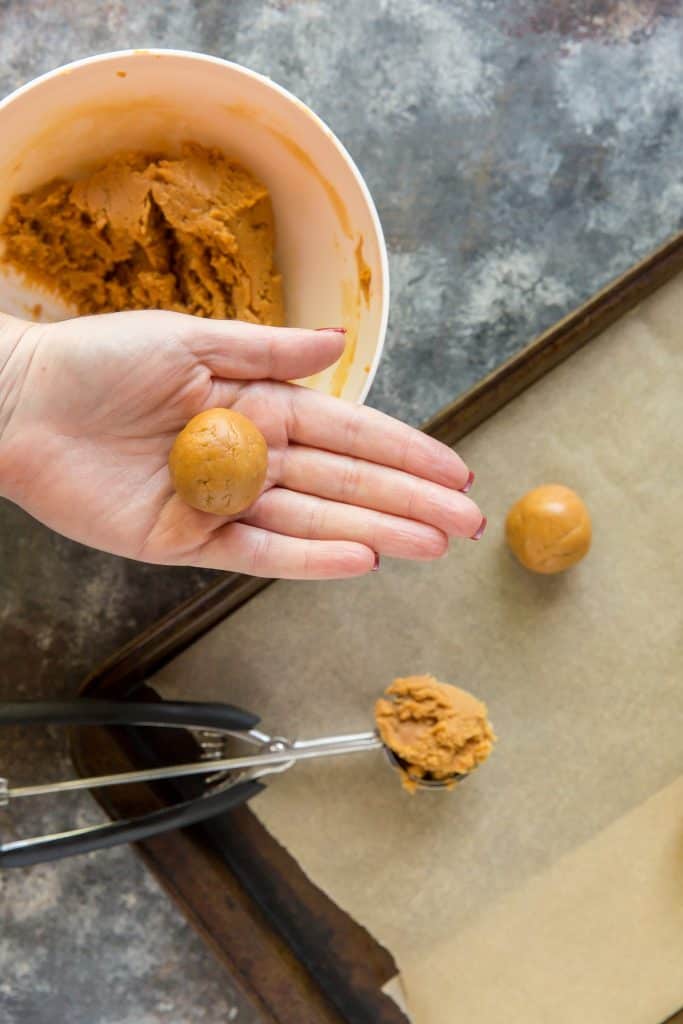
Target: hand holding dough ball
x,y
549,529
218,462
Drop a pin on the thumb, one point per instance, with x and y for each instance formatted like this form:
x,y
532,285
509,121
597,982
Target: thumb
x,y
240,351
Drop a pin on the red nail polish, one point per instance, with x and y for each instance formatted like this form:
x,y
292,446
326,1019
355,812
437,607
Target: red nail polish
x,y
375,567
468,486
480,532
336,330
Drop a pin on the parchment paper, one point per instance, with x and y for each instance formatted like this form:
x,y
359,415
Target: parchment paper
x,y
583,677
608,916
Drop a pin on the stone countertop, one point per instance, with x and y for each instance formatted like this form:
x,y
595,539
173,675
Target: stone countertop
x,y
521,153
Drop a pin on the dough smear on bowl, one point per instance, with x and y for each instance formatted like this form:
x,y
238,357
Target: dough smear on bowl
x,y
435,729
193,234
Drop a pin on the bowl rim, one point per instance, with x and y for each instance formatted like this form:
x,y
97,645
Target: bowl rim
x,y
199,57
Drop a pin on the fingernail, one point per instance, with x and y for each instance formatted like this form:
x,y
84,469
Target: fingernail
x,y
375,567
480,532
337,330
468,486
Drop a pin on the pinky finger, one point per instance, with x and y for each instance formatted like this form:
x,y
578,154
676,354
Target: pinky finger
x,y
237,547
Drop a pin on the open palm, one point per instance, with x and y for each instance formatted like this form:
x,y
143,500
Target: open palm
x,y
97,404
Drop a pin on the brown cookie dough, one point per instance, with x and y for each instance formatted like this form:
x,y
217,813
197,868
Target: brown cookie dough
x,y
549,529
218,462
194,234
436,729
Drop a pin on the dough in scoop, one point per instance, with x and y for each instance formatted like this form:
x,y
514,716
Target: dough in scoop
x,y
436,729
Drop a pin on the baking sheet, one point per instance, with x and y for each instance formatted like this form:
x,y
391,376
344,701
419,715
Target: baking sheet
x,y
582,674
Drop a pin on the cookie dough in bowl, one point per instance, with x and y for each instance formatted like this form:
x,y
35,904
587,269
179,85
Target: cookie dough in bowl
x,y
193,234
329,249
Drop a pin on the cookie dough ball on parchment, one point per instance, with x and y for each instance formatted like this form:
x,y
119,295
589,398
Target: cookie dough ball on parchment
x,y
549,529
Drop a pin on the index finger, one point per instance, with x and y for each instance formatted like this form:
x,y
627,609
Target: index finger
x,y
235,350
320,421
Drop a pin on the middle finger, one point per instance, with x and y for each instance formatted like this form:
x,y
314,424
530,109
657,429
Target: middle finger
x,y
356,482
302,515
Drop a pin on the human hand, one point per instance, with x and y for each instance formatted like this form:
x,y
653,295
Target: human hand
x,y
89,409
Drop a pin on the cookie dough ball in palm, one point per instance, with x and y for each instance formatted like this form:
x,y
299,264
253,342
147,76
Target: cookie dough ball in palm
x,y
549,529
218,462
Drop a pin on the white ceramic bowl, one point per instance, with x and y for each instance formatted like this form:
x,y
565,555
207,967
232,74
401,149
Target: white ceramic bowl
x,y
70,120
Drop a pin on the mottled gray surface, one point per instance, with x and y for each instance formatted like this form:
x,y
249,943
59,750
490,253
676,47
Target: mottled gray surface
x,y
521,153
